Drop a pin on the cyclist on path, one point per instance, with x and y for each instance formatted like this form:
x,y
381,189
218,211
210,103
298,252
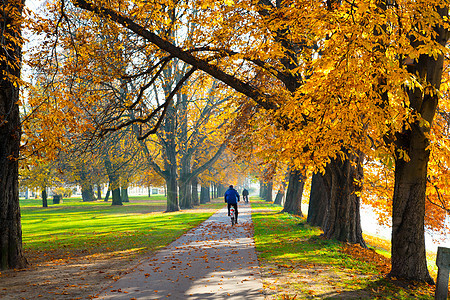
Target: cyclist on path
x,y
232,197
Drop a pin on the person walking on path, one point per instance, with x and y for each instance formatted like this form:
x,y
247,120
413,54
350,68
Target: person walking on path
x,y
232,198
245,195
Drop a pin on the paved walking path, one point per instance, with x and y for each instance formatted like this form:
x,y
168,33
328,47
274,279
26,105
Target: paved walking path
x,y
212,261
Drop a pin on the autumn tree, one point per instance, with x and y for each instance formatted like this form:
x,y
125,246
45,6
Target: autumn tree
x,y
41,175
327,122
10,132
186,131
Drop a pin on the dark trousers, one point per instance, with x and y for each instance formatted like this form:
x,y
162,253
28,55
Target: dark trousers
x,y
235,209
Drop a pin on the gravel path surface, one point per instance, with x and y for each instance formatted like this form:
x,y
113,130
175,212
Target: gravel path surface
x,y
212,261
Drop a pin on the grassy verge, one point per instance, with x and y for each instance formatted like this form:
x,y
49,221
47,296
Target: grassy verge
x,y
75,228
298,263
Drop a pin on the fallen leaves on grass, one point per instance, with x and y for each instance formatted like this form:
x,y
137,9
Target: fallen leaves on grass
x,y
368,255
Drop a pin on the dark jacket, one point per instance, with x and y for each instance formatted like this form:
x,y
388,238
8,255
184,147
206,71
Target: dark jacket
x,y
245,192
231,196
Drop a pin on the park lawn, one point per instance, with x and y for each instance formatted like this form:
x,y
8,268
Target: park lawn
x,y
154,201
298,263
75,228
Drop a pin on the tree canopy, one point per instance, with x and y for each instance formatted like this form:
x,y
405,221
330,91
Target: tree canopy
x,y
342,89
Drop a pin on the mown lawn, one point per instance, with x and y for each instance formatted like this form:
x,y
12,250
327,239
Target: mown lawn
x,y
74,227
298,263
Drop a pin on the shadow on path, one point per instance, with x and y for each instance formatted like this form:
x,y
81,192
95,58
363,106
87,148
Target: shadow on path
x,y
212,261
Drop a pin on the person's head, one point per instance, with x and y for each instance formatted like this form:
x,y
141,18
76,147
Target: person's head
x,y
231,186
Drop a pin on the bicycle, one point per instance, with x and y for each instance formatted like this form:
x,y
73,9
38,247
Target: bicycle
x,y
232,216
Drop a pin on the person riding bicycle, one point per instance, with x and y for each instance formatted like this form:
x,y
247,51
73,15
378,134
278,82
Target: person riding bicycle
x,y
245,195
232,197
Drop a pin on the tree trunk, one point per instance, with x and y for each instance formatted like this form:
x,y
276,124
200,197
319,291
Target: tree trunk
x,y
269,191
408,255
215,192
124,194
204,194
185,194
116,198
114,183
87,193
172,194
318,201
99,191
44,197
11,255
293,203
107,194
194,189
279,197
408,239
149,189
170,160
343,222
262,189
221,189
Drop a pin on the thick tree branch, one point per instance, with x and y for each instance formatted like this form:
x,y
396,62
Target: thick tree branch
x,y
209,163
264,100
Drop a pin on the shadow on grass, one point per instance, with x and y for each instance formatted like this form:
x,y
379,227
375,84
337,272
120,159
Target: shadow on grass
x,y
383,288
297,251
69,231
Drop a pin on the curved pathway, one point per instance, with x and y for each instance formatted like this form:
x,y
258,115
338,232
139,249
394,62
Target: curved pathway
x,y
212,261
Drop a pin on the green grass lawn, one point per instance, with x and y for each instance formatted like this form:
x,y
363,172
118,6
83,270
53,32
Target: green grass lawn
x,y
74,227
293,252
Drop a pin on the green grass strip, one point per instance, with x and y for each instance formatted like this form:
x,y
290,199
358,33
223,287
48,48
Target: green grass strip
x,y
98,227
294,256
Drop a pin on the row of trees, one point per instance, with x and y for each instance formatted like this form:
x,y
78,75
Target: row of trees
x,y
330,87
112,94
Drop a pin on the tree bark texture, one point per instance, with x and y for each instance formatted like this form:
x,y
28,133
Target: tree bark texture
x,y
194,189
172,194
99,191
116,198
215,190
279,197
185,194
11,255
87,192
343,222
124,194
170,160
114,183
269,189
204,194
293,203
318,201
107,195
262,189
44,197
